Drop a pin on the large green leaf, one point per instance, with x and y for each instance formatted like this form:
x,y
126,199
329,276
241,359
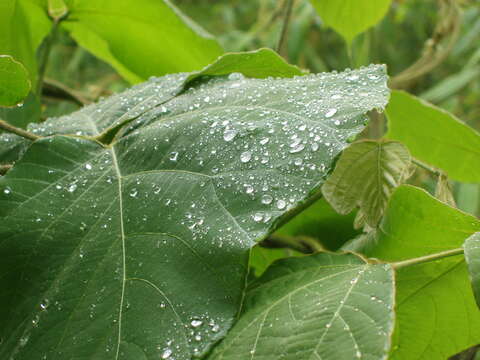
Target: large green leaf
x,y
365,176
436,312
138,249
23,25
434,136
14,82
472,255
330,307
141,38
351,17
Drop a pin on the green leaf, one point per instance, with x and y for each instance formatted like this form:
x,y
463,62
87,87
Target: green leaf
x,y
472,256
142,38
330,307
365,176
261,63
319,221
23,26
139,248
351,17
261,258
436,313
14,82
434,136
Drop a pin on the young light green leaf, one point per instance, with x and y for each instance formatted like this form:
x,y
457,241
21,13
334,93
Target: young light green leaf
x,y
416,224
434,136
142,38
365,176
330,307
351,17
472,255
260,63
23,26
14,81
139,248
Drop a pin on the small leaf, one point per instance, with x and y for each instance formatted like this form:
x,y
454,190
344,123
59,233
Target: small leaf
x,y
472,256
14,81
261,258
260,63
434,136
443,191
330,307
366,174
141,38
139,248
351,17
57,9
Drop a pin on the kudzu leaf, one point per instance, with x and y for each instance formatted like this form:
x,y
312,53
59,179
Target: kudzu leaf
x,y
434,136
137,248
14,82
330,307
472,255
439,293
351,17
365,176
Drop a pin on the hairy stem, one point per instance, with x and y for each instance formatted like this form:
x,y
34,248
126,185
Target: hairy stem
x,y
282,42
17,131
427,258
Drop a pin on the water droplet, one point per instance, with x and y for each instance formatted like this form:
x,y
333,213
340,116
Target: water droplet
x,y
330,112
72,188
173,156
267,199
281,204
133,193
7,191
229,134
88,166
196,323
166,353
245,156
44,304
235,76
264,141
257,217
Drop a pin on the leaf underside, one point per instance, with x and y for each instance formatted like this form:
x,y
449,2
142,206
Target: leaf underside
x,y
138,250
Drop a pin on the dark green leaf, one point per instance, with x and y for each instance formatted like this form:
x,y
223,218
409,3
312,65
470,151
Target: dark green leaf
x,y
330,307
472,255
434,136
351,17
365,176
14,82
141,38
138,249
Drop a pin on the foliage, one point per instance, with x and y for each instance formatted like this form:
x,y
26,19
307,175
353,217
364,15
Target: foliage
x,y
239,206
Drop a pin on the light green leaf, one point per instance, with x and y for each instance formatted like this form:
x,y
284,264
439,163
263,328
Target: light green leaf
x,y
472,255
23,26
260,63
142,38
437,293
14,82
139,248
365,176
351,17
330,307
434,136
261,257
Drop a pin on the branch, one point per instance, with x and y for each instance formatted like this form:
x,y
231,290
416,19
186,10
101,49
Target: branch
x,y
55,89
17,131
427,167
433,52
427,258
286,21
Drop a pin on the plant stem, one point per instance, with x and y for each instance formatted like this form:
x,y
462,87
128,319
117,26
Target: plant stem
x,y
427,258
47,46
286,21
17,131
4,168
426,167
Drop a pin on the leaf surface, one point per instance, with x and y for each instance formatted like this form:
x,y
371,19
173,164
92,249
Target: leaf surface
x,y
351,17
434,136
365,176
438,293
472,255
139,249
14,82
330,307
142,38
